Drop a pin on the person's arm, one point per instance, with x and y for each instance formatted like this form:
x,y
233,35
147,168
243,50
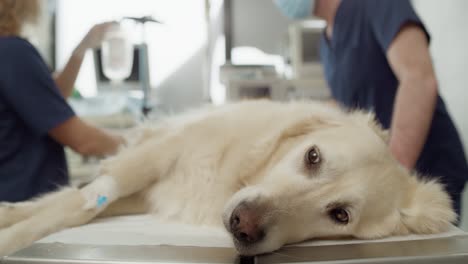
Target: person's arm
x,y
85,139
65,80
416,97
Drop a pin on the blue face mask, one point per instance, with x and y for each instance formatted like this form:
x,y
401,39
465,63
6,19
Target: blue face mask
x,y
296,9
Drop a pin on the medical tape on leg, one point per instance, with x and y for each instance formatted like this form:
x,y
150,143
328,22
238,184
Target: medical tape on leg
x,y
100,192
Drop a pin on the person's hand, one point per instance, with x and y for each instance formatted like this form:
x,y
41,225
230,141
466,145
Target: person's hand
x,y
93,38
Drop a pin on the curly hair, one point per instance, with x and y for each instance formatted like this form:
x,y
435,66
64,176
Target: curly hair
x,y
14,13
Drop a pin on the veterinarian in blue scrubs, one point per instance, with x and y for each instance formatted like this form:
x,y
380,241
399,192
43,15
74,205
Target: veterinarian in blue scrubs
x,y
36,121
376,57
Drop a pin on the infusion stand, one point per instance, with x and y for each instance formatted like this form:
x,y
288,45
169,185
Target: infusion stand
x,y
143,63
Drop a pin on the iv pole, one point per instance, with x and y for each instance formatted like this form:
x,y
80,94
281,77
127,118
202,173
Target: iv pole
x,y
143,62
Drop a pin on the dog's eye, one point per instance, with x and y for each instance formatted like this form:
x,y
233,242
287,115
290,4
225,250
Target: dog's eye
x,y
312,156
339,215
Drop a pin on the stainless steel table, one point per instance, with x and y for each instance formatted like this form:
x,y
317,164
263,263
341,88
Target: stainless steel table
x,y
431,251
441,250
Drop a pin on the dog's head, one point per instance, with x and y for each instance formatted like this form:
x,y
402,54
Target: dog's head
x,y
333,179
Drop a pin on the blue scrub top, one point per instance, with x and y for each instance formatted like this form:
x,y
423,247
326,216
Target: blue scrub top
x,y
360,76
31,162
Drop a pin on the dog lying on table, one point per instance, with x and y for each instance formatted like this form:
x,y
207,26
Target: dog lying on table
x,y
271,173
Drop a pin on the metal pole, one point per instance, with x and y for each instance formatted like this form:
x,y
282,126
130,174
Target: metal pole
x,y
228,29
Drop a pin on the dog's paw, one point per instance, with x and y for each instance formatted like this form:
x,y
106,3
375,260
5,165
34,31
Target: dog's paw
x,y
6,243
11,213
6,210
11,241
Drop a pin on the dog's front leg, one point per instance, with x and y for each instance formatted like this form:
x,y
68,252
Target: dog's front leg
x,y
132,171
65,211
11,213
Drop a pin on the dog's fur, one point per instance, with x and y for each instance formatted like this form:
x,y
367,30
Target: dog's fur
x,y
245,165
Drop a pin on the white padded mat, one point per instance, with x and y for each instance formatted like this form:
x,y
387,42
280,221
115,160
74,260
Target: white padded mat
x,y
148,230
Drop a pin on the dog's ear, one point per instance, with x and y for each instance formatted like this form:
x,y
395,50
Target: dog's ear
x,y
369,119
427,208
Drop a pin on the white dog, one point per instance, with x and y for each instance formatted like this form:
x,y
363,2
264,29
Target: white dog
x,y
272,173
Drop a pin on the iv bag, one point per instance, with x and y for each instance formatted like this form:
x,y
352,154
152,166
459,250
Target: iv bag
x,y
117,54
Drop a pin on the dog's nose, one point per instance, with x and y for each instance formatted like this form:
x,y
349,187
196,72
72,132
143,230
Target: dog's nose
x,y
244,225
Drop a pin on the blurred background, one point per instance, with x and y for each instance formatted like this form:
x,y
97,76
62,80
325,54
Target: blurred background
x,y
214,51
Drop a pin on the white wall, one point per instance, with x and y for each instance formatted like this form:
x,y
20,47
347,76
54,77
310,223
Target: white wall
x,y
447,21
